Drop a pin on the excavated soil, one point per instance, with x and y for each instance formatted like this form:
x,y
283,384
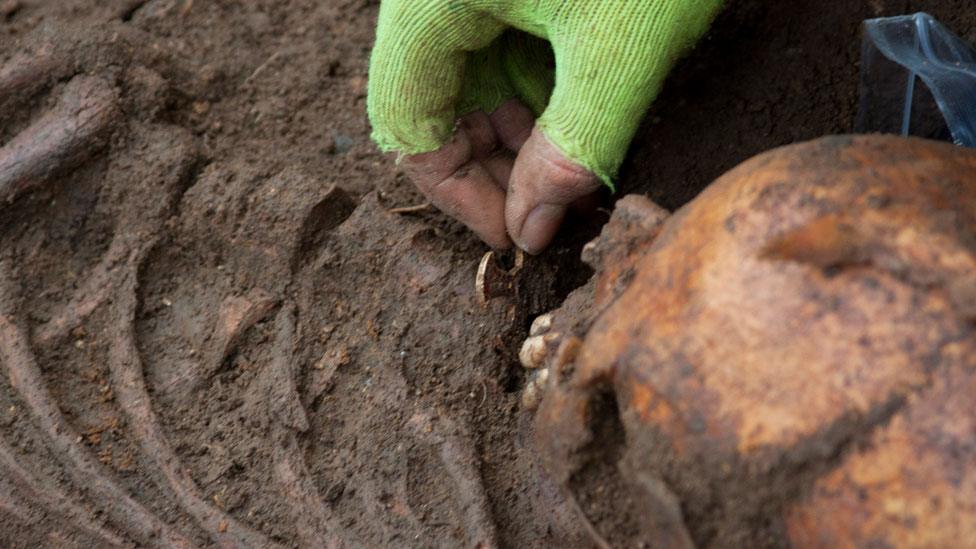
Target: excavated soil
x,y
219,327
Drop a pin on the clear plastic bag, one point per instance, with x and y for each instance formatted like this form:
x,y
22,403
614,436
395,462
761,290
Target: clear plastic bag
x,y
917,78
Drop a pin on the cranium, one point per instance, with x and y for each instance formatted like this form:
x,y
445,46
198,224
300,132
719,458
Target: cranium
x,y
787,359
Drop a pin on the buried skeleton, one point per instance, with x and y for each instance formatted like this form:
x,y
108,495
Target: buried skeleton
x,y
791,355
263,343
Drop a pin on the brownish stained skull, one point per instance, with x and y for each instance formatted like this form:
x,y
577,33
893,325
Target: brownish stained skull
x,y
789,359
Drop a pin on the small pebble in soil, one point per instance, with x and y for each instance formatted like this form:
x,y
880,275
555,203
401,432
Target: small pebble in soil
x,y
341,143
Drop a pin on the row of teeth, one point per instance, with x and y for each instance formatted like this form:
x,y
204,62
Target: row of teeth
x,y
533,355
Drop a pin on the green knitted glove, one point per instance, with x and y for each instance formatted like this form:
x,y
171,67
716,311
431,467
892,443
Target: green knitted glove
x,y
435,60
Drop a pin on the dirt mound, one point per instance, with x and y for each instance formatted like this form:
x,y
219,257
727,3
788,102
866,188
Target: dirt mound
x,y
217,327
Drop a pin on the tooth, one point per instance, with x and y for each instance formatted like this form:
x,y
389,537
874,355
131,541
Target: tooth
x,y
533,352
542,378
535,390
531,396
541,324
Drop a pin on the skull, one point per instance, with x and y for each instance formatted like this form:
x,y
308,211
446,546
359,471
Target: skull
x,y
790,358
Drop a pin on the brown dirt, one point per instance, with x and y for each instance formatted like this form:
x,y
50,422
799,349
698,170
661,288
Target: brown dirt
x,y
214,332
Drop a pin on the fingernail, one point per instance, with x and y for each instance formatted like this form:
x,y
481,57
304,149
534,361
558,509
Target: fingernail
x,y
540,227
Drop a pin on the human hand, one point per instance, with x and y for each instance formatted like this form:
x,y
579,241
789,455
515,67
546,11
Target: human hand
x,y
456,87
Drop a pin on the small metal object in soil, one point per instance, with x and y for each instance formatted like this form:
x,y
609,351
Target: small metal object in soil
x,y
493,280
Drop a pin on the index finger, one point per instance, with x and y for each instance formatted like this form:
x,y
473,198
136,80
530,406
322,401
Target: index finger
x,y
461,186
417,69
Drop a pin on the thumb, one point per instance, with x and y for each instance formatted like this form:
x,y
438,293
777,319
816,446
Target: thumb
x,y
611,61
543,185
